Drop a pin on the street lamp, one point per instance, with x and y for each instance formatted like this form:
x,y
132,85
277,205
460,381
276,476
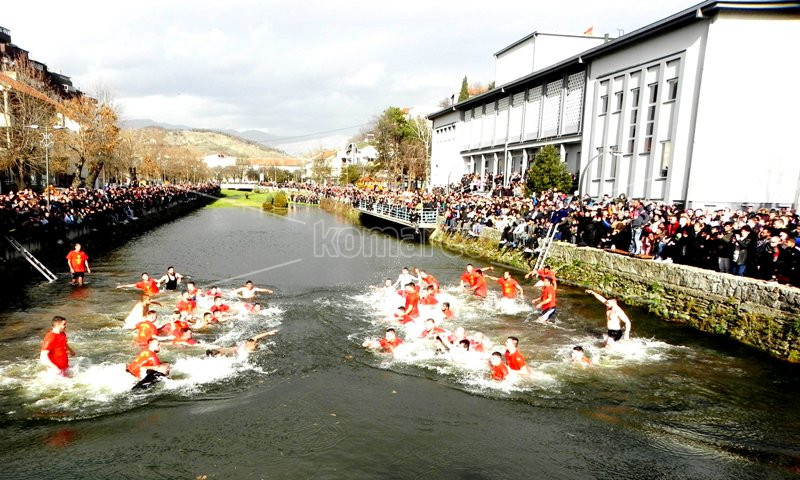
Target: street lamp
x,y
47,142
613,152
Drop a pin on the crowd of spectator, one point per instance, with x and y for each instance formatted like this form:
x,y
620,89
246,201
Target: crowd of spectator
x,y
25,213
760,243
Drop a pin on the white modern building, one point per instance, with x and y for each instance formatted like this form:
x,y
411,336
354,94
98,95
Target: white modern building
x,y
351,155
697,108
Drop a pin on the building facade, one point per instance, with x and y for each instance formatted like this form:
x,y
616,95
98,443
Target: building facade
x,y
678,111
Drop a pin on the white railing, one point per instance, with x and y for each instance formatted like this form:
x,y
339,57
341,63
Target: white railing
x,y
400,212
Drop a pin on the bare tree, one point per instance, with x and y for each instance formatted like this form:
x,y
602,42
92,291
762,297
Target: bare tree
x,y
94,139
25,102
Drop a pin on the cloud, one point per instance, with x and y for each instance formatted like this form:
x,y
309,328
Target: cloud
x,y
291,69
366,76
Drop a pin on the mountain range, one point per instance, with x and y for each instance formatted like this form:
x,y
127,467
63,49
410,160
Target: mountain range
x,y
299,146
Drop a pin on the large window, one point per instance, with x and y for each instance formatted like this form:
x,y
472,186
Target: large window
x,y
672,89
634,120
652,98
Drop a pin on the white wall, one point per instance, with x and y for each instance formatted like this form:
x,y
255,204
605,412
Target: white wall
x,y
551,49
514,63
635,177
746,142
445,157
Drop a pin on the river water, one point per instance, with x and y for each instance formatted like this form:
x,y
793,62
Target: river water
x,y
312,403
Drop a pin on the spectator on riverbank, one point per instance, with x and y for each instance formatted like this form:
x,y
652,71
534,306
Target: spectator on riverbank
x,y
25,214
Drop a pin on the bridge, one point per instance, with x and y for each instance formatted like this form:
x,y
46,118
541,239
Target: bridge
x,y
238,186
410,217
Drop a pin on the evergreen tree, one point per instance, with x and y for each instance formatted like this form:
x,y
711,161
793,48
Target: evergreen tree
x,y
547,171
464,93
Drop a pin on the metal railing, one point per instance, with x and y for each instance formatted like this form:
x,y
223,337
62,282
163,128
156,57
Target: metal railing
x,y
400,212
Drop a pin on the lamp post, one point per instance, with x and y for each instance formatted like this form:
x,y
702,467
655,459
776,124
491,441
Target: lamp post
x,y
586,169
47,142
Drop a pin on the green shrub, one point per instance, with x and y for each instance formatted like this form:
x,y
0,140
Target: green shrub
x,y
269,199
281,200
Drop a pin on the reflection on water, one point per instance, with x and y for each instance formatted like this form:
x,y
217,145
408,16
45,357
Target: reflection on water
x,y
313,402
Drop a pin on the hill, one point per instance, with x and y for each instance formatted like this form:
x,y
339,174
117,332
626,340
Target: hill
x,y
211,142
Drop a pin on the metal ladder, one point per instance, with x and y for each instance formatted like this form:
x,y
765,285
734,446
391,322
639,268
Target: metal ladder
x,y
48,275
545,248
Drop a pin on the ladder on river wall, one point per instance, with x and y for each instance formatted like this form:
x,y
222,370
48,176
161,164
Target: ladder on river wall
x,y
544,248
47,274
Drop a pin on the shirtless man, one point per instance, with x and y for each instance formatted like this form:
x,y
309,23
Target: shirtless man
x,y
139,311
249,290
249,346
448,314
615,317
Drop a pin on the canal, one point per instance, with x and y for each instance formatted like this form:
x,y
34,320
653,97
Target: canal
x,y
312,403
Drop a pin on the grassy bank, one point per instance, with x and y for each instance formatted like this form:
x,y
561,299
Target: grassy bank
x,y
236,198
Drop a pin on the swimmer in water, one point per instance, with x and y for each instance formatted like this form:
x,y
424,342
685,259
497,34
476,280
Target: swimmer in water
x,y
545,272
547,301
147,330
388,285
55,352
224,310
440,346
249,346
477,342
615,318
469,277
480,289
429,297
148,360
431,330
578,357
411,294
387,344
249,290
509,286
139,311
427,279
405,278
146,284
448,314
186,304
203,322
78,263
514,358
170,279
498,369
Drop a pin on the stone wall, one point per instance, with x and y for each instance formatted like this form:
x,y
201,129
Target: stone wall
x,y
764,315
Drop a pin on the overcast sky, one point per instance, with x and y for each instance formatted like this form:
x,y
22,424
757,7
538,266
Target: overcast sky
x,y
293,67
